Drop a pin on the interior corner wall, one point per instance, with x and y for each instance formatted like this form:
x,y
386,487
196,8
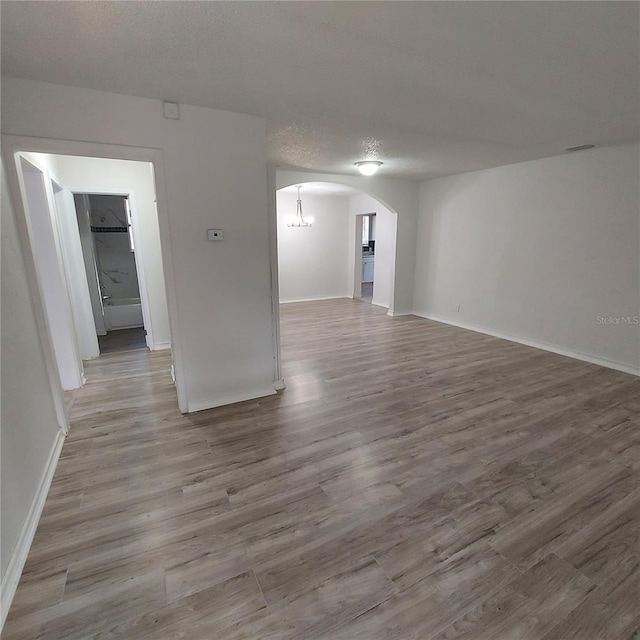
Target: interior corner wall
x,y
29,425
214,176
545,251
398,195
313,262
135,177
385,251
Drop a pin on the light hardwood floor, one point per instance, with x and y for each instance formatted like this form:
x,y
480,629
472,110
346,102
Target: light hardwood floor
x,y
415,481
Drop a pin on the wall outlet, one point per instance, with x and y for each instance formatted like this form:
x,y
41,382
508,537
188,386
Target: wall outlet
x,y
215,235
457,307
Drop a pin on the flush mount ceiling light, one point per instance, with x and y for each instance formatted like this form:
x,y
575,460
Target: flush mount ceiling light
x,y
299,220
368,167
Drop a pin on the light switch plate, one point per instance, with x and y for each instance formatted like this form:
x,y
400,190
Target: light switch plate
x,y
215,235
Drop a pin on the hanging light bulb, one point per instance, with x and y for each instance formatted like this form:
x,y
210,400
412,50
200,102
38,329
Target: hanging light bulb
x,y
299,220
368,167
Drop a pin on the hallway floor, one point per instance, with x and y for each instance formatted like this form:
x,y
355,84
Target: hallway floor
x,y
123,340
366,292
415,481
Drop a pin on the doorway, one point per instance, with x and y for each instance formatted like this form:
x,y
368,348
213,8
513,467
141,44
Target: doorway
x,y
347,249
368,235
97,255
112,269
69,167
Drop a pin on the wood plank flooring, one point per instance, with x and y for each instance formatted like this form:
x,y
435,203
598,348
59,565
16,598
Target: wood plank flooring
x,y
123,340
415,481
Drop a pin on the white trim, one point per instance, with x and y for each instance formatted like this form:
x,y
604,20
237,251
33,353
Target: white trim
x,y
160,346
138,256
395,314
273,269
289,300
21,550
545,346
356,256
379,304
279,385
232,398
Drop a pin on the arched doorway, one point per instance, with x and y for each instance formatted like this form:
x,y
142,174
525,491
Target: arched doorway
x,y
345,238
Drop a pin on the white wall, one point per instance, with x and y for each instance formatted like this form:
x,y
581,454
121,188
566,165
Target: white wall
x,y
73,261
109,176
400,196
539,250
313,262
385,251
30,426
214,176
50,273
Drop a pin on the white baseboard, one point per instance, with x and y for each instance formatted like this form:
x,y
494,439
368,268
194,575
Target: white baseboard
x,y
395,314
379,304
159,346
545,346
232,398
19,556
279,385
289,300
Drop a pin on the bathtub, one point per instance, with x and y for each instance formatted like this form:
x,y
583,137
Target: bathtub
x,y
122,313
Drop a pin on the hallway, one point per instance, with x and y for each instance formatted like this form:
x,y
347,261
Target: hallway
x,y
414,480
122,340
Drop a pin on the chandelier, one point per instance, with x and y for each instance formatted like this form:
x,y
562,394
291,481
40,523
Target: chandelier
x,y
299,220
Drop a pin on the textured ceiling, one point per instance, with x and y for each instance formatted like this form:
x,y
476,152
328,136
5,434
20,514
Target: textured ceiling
x,y
429,88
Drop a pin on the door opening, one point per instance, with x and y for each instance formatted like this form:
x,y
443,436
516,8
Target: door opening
x,y
368,222
112,270
44,179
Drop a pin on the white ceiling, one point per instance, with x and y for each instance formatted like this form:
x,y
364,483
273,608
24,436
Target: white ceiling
x,y
430,88
322,189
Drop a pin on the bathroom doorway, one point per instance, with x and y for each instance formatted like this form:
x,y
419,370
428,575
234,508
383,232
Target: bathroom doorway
x,y
112,269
